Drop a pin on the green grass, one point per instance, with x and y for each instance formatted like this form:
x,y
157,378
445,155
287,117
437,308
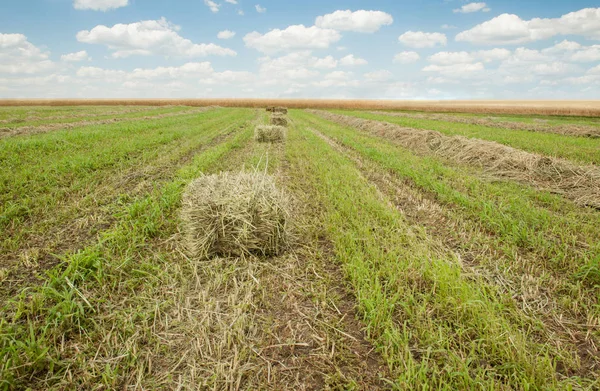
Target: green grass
x,y
436,328
544,225
116,304
581,149
99,116
98,294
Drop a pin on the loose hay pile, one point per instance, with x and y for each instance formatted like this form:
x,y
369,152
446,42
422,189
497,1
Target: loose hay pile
x,y
281,110
269,133
577,182
279,120
235,214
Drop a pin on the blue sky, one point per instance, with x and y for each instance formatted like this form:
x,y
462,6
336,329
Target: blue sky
x,y
382,49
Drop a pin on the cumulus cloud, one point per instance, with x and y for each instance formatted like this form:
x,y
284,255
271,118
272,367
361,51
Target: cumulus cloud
x,y
259,9
294,66
19,56
293,37
447,58
472,7
214,7
75,57
99,5
460,70
149,37
350,60
360,21
406,57
226,34
419,39
511,29
378,76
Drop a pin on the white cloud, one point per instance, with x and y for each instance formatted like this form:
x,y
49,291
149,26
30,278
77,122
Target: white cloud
x,y
99,5
75,57
226,34
472,7
231,1
406,57
19,56
511,29
381,75
214,7
448,26
149,37
586,54
359,21
419,39
293,37
259,9
294,66
350,60
456,70
240,12
448,58
326,63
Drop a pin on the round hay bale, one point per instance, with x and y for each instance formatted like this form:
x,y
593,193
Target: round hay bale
x,y
269,133
279,120
233,215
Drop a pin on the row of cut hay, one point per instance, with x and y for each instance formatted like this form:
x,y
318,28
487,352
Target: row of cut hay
x,y
234,215
577,182
269,133
565,129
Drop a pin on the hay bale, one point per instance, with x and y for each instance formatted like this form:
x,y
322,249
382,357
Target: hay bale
x,y
269,133
235,214
281,110
279,120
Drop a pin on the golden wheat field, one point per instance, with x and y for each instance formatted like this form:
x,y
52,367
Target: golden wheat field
x,y
340,245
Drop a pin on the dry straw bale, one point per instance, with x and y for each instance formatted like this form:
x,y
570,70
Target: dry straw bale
x,y
279,120
281,110
235,214
579,183
269,133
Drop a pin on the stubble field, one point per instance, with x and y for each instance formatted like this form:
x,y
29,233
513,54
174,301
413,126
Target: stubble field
x,y
430,252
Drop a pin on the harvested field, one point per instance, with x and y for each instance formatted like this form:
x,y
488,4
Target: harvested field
x,y
590,108
568,129
173,251
579,183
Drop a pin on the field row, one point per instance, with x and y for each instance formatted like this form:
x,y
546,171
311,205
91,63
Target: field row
x,y
409,269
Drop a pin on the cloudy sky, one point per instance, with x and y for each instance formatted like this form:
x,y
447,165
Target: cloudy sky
x,y
388,49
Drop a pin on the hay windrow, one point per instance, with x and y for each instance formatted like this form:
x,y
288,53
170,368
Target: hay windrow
x,y
281,110
577,182
235,214
269,133
538,126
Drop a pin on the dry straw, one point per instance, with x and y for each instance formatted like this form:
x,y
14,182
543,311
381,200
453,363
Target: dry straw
x,y
279,120
235,214
269,133
537,126
576,182
281,110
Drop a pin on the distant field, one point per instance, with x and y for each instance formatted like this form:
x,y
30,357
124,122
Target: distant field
x,y
429,252
554,108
